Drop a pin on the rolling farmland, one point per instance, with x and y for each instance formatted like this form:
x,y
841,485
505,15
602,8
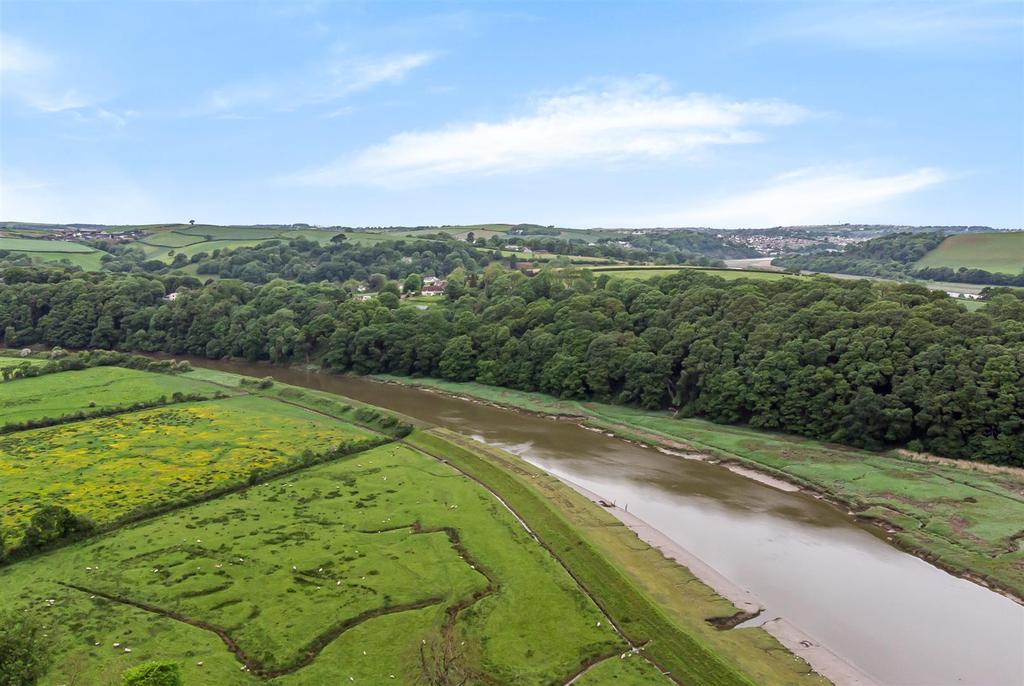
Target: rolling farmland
x,y
994,252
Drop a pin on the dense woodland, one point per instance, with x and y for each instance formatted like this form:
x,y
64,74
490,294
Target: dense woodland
x,y
865,364
893,257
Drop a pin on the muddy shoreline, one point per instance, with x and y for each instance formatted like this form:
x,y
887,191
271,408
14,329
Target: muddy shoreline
x,y
821,659
757,473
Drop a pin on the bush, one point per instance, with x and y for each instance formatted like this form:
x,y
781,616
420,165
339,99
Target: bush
x,y
153,674
54,523
24,650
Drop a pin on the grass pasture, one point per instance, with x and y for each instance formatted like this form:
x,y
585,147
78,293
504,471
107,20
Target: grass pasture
x,y
38,246
994,252
54,252
333,574
189,240
171,239
337,572
111,467
222,233
651,272
95,388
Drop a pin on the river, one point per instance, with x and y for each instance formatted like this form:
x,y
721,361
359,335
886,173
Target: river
x,y
894,617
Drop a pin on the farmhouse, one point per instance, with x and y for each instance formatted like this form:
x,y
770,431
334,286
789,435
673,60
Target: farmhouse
x,y
435,288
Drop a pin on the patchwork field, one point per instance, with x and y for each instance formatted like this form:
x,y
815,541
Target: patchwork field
x,y
337,573
377,566
189,240
994,252
108,468
87,390
54,252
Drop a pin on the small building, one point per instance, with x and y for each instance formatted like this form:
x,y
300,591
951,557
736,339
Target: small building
x,y
436,288
363,297
431,281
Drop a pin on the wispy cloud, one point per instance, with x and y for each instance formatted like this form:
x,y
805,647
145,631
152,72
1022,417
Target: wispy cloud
x,y
627,120
320,83
17,57
914,25
38,80
806,196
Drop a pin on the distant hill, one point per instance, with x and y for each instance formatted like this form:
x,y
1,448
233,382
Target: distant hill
x,y
994,258
1001,252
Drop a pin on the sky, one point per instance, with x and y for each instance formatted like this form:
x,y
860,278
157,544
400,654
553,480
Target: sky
x,y
579,114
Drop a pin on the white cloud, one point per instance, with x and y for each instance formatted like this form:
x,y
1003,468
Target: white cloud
x,y
640,119
321,83
17,57
807,196
39,80
56,101
884,25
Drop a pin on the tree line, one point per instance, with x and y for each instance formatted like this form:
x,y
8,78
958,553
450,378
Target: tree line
x,y
862,363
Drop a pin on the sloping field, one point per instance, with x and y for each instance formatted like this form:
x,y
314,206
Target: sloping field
x,y
31,245
167,254
87,390
993,252
232,232
189,240
650,272
109,468
52,252
171,239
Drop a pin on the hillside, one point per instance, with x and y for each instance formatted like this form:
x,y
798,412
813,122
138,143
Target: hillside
x,y
1001,252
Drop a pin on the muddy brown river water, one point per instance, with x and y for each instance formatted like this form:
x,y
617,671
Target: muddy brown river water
x,y
894,617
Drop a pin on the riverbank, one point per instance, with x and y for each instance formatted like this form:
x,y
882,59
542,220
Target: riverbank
x,y
824,661
664,610
963,520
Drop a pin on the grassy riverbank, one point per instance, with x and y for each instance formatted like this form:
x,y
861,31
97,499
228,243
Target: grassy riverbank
x,y
340,570
968,521
658,606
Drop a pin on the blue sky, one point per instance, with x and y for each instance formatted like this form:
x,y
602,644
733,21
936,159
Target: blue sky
x,y
727,114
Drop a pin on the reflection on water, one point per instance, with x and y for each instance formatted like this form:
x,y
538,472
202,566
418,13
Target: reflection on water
x,y
892,615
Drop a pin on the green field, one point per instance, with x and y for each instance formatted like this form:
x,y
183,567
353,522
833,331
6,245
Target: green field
x,y
993,252
189,240
167,254
340,572
283,567
31,245
170,239
55,252
651,272
967,520
55,395
111,467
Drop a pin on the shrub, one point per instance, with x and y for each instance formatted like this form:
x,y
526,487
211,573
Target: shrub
x,y
24,650
153,674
